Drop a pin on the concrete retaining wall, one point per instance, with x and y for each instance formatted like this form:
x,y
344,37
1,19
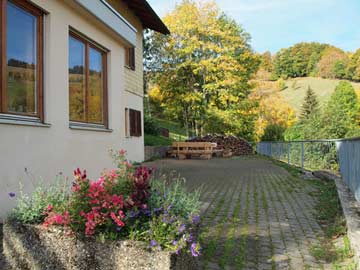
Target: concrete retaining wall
x,y
34,248
155,152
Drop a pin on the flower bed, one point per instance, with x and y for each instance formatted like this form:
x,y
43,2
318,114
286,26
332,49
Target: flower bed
x,y
126,219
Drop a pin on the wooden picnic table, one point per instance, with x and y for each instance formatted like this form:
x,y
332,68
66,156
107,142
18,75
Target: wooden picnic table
x,y
182,150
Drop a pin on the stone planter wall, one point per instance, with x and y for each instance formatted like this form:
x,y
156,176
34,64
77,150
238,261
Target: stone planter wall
x,y
31,247
155,152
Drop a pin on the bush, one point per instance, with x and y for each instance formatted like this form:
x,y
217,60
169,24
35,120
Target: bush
x,y
31,209
273,132
124,203
150,126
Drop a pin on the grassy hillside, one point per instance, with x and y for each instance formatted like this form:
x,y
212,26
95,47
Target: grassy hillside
x,y
176,133
296,88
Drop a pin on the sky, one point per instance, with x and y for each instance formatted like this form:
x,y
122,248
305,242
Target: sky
x,y
276,24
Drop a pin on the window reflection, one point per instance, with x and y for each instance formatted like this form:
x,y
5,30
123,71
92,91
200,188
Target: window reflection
x,y
95,87
21,56
77,79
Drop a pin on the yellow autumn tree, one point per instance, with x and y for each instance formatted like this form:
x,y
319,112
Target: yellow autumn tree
x,y
272,111
204,65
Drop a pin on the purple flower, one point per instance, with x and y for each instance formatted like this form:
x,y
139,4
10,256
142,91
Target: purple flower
x,y
174,243
190,238
164,220
182,228
118,228
147,212
153,243
157,210
196,219
134,214
194,248
12,194
172,219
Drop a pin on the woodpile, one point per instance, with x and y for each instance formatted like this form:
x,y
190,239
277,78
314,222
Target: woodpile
x,y
228,144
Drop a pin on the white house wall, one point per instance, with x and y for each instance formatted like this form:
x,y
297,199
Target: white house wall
x,y
29,153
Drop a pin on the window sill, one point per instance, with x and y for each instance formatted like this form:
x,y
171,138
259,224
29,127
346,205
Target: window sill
x,y
89,127
22,121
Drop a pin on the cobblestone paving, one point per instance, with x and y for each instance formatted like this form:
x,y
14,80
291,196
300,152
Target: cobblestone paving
x,y
255,215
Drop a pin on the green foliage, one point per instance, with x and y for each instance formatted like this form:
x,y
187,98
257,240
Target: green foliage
x,y
173,195
299,60
353,71
329,214
150,126
338,119
310,105
341,112
339,69
239,122
273,132
32,208
151,140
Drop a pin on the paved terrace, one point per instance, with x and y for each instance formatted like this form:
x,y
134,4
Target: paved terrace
x,y
255,214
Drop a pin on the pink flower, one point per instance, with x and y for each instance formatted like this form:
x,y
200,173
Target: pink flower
x,y
49,207
117,201
117,220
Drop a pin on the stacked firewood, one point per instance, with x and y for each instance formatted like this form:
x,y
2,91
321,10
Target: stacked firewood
x,y
229,144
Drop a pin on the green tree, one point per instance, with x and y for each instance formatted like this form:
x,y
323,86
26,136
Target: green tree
x,y
353,71
339,69
273,132
331,62
299,60
310,105
340,115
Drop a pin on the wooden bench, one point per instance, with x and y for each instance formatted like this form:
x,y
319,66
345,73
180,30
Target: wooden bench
x,y
203,150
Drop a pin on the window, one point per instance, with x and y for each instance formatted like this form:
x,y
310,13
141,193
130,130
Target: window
x,y
133,123
130,58
87,82
21,67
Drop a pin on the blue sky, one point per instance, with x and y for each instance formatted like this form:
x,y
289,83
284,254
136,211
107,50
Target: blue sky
x,y
276,24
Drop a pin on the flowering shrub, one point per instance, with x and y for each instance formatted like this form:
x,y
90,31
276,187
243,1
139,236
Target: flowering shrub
x,y
126,203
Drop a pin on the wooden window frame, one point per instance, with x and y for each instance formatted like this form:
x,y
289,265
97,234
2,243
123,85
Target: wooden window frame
x,y
135,123
130,58
127,122
92,44
39,14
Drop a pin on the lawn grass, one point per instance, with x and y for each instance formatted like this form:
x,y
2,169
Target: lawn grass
x,y
177,131
151,140
296,89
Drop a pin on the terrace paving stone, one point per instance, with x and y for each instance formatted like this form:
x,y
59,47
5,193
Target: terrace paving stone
x,y
255,215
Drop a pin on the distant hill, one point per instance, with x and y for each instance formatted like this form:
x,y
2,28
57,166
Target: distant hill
x,y
295,90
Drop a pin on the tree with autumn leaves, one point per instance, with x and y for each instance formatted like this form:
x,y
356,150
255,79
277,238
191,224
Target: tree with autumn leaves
x,y
200,74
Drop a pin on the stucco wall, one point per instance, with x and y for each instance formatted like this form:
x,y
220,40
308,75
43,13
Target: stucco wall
x,y
30,153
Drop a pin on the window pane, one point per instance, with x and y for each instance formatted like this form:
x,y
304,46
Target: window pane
x,y
77,79
21,60
95,87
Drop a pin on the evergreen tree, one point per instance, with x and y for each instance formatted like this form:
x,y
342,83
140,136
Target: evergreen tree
x,y
310,105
